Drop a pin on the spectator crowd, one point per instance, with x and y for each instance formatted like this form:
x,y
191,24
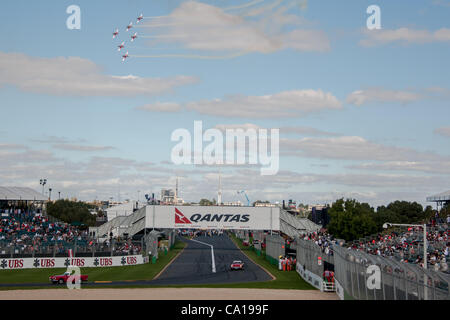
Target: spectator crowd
x,y
405,245
27,232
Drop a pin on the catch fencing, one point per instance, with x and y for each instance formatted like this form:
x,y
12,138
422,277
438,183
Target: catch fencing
x,y
364,276
80,248
274,248
312,261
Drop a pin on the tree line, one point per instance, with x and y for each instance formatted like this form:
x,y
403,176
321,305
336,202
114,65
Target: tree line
x,y
350,219
72,212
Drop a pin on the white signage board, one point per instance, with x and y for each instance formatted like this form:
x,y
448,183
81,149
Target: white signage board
x,y
38,263
213,217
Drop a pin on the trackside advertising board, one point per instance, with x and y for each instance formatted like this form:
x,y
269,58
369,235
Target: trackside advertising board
x,y
213,217
94,262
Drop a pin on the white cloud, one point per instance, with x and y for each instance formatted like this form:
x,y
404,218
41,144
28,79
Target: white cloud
x,y
295,103
443,3
353,148
380,95
10,146
105,176
443,131
306,131
404,36
200,26
161,107
438,167
77,76
244,126
56,140
306,40
82,148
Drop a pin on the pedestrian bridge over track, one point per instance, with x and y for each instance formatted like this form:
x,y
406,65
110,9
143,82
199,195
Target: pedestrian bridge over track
x,y
208,217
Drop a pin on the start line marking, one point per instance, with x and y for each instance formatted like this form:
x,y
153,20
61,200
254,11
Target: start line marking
x,y
212,254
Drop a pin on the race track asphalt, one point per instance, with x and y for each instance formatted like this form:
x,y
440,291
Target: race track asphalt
x,y
194,266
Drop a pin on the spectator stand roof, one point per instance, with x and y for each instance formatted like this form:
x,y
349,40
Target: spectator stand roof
x,y
20,193
444,197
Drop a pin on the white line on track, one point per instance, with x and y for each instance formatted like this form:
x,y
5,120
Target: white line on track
x,y
212,254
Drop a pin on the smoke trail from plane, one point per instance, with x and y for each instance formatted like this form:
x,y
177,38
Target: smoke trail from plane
x,y
155,17
164,36
242,6
191,56
154,25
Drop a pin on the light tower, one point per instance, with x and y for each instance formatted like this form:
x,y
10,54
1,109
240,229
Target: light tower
x,y
43,182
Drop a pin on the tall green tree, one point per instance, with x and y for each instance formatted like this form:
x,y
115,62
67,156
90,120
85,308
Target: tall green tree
x,y
206,202
71,211
350,219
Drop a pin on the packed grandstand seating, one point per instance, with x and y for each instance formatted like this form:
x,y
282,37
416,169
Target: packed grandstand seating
x,y
323,239
403,245
26,233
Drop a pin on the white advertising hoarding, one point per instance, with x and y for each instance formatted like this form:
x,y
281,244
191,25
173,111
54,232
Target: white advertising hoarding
x,y
38,263
213,217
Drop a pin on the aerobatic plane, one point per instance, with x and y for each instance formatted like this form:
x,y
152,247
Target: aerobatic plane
x,y
134,36
130,26
125,56
140,18
120,46
115,33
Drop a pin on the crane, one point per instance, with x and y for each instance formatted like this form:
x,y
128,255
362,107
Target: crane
x,y
245,194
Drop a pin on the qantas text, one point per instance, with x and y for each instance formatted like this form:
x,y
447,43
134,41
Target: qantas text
x,y
220,217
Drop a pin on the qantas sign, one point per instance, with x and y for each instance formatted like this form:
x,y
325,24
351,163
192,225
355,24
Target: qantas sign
x,y
212,217
181,218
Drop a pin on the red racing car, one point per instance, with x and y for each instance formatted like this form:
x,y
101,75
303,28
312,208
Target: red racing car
x,y
237,265
64,277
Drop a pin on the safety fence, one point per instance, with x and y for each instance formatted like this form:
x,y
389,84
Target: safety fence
x,y
274,248
78,248
312,262
364,276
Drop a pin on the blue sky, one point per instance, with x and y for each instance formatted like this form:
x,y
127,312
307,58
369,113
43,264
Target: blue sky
x,y
385,133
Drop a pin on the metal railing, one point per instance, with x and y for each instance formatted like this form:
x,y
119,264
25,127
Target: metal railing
x,y
113,247
395,281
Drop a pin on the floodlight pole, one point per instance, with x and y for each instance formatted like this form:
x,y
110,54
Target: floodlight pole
x,y
43,182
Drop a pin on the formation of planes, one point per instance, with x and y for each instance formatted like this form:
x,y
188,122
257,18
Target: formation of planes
x,y
133,37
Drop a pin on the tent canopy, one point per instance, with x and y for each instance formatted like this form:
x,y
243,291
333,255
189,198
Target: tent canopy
x,y
20,193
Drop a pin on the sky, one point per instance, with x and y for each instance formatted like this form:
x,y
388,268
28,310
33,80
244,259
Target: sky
x,y
361,113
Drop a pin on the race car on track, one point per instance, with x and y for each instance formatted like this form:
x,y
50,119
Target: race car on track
x,y
237,265
64,277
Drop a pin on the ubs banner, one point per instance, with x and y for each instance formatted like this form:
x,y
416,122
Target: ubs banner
x,y
35,263
213,217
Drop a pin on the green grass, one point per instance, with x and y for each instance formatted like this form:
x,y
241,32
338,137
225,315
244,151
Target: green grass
x,y
139,272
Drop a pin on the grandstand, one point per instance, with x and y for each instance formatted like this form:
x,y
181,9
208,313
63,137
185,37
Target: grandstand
x,y
19,199
26,232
